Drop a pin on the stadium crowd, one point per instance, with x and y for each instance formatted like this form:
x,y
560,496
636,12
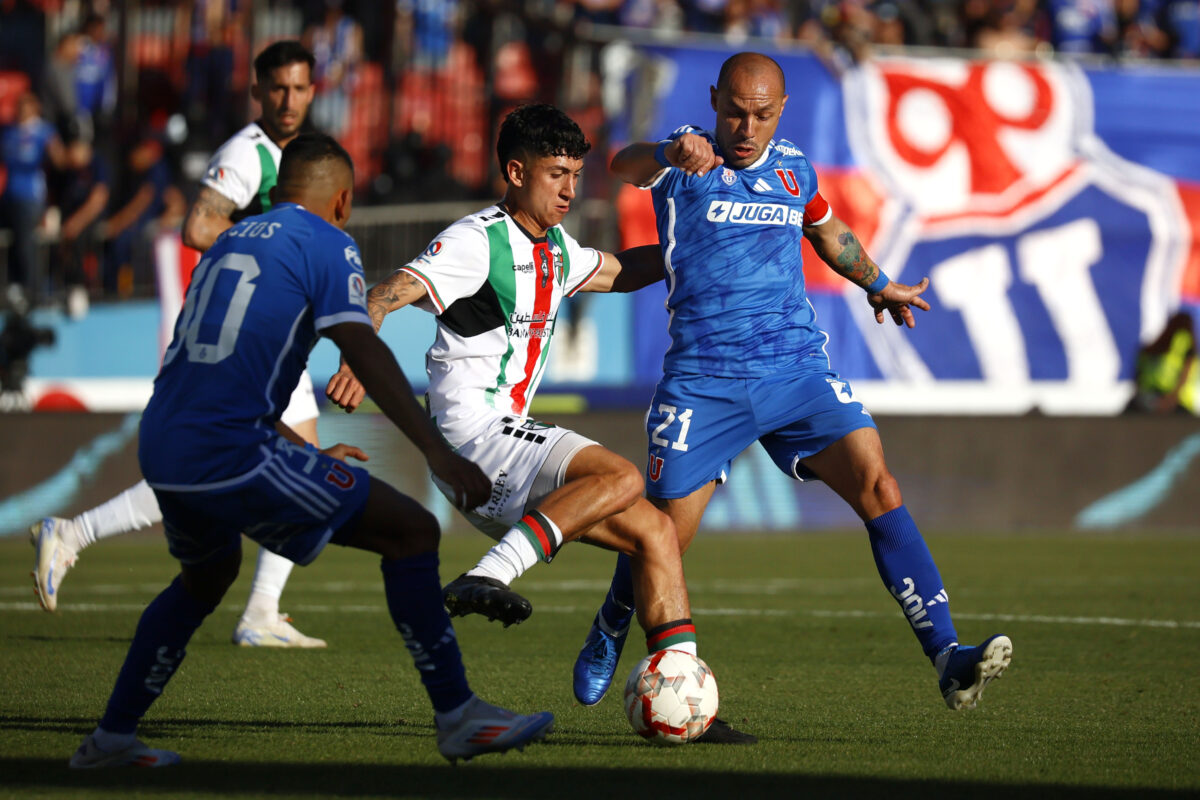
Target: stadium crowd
x,y
91,170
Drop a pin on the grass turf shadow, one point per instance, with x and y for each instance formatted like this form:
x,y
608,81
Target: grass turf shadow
x,y
481,779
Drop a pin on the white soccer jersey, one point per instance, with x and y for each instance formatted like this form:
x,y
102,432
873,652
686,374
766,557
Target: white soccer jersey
x,y
244,169
495,290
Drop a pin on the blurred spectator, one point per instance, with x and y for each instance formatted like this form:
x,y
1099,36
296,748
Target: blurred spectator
x,y
762,19
25,147
150,200
426,29
336,44
1166,29
82,193
705,16
96,74
599,12
214,25
1168,370
60,101
1083,26
660,15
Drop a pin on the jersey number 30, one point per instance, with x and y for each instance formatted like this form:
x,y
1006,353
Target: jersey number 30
x,y
224,313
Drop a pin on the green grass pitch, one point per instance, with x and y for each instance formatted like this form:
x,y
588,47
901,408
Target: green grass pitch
x,y
1102,699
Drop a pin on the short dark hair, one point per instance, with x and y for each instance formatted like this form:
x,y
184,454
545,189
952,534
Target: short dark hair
x,y
305,151
539,130
280,54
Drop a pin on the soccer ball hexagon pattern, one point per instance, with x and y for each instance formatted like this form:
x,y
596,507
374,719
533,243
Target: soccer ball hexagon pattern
x,y
671,697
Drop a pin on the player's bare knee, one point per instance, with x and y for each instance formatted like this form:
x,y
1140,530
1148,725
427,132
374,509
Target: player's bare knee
x,y
884,493
626,485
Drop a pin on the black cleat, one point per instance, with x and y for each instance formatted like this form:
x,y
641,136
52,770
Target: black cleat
x,y
476,594
720,732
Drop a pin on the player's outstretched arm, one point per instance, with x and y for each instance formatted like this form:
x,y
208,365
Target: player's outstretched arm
x,y
839,247
376,367
395,291
628,270
210,216
639,163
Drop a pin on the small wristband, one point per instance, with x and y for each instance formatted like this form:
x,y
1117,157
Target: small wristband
x,y
879,284
660,154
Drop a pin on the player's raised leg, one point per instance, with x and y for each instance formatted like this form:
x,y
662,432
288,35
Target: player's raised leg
x,y
59,541
854,467
568,484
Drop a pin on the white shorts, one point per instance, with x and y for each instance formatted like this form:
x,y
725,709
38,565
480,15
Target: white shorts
x,y
303,404
525,460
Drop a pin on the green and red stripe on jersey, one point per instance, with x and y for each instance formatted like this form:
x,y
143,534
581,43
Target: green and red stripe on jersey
x,y
423,279
670,634
541,533
543,292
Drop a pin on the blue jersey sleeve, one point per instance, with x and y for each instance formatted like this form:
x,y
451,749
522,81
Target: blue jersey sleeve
x,y
335,283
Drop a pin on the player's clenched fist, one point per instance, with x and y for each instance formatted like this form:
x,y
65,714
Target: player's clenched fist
x,y
693,154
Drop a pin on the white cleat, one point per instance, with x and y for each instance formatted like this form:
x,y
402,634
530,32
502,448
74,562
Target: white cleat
x,y
970,669
485,728
54,557
90,756
277,633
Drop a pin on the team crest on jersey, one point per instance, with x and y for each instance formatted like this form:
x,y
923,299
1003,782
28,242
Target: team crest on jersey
x,y
728,176
352,256
654,469
340,476
358,290
790,184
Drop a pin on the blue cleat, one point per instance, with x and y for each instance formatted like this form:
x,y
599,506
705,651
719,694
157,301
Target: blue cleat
x,y
596,664
969,670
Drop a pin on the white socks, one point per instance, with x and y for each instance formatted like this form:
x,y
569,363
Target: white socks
x,y
132,510
508,559
270,575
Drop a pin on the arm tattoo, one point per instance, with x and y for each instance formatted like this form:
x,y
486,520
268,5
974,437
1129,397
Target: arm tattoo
x,y
398,289
852,262
210,202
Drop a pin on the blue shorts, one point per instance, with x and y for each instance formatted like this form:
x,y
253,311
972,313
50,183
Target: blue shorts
x,y
698,424
291,504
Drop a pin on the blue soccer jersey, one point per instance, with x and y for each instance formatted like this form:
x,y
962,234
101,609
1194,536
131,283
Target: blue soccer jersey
x,y
255,307
731,241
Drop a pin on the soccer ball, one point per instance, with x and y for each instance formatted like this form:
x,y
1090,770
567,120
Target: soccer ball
x,y
671,697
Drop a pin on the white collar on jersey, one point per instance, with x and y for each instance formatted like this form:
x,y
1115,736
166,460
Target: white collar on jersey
x,y
766,153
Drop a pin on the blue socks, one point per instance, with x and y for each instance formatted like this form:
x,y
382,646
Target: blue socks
x,y
618,605
908,572
163,632
414,599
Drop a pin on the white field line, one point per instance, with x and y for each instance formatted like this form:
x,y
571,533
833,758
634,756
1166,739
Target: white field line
x,y
1043,619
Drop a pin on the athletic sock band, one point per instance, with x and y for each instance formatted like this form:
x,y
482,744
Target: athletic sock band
x,y
542,533
669,634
